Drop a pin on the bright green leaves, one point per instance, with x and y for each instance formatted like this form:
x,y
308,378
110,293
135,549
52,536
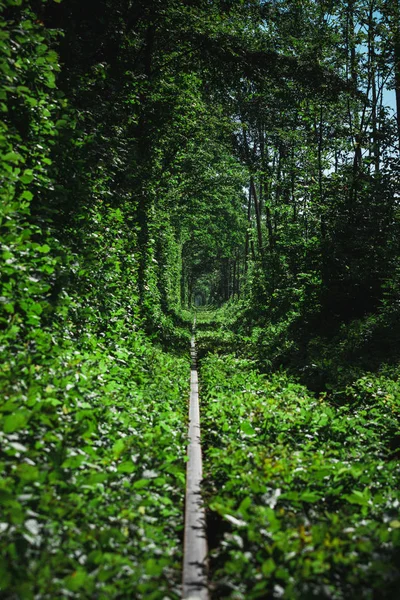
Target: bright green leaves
x,y
45,249
26,195
94,443
126,467
358,497
12,157
27,176
25,133
118,448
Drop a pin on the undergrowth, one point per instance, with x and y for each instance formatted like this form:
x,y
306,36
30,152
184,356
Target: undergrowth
x,y
93,469
302,490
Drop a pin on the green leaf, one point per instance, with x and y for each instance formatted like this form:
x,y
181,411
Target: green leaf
x,y
118,448
141,483
244,505
95,478
153,567
14,422
247,428
26,195
357,497
76,581
126,467
310,497
395,524
268,567
27,176
13,157
45,249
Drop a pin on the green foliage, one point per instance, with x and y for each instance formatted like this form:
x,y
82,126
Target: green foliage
x,y
92,420
303,490
27,131
149,151
93,441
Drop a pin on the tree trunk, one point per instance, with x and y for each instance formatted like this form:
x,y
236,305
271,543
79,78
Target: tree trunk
x,y
372,76
266,188
247,246
258,214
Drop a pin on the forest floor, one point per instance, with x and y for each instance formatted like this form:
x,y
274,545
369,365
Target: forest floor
x,y
302,490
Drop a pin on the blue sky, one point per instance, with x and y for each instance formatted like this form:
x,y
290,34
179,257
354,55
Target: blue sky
x,y
389,99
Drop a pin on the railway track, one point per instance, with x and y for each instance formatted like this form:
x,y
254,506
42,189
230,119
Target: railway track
x,y
194,580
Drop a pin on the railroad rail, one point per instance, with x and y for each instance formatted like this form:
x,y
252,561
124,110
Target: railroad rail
x,y
194,580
